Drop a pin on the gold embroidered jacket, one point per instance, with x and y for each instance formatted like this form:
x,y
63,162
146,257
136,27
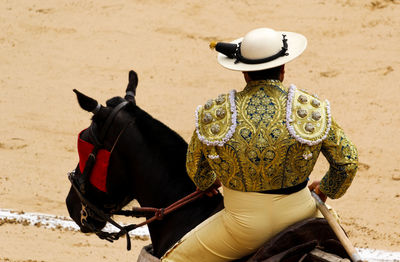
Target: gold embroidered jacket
x,y
268,137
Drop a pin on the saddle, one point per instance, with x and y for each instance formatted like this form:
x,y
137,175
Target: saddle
x,y
310,240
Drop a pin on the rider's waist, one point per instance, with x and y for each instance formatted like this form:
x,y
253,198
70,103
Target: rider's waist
x,y
286,190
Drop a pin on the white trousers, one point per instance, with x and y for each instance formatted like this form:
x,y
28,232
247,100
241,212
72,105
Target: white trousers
x,y
248,220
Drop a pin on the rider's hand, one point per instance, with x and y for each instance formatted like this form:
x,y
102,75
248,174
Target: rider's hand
x,y
213,190
314,186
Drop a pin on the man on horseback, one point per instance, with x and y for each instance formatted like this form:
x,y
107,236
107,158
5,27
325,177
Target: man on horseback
x,y
261,144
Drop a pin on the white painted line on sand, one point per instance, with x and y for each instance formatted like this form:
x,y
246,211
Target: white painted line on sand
x,y
373,255
60,222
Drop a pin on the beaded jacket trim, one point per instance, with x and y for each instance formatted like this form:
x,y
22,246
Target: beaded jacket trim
x,y
232,128
289,120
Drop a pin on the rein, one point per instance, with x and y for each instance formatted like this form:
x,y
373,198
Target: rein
x,y
159,213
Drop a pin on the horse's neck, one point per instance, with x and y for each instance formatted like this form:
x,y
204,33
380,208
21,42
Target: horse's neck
x,y
162,180
162,188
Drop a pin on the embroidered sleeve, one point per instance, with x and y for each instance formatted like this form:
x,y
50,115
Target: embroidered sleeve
x,y
343,159
197,165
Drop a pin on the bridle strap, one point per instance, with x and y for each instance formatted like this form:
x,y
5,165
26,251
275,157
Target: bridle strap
x,y
110,119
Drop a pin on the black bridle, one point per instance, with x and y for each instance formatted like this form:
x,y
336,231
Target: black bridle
x,y
80,182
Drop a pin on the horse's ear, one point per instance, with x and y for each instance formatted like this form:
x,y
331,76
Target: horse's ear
x,y
131,88
87,103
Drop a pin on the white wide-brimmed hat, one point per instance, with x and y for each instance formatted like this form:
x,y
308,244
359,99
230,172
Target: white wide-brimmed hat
x,y
260,49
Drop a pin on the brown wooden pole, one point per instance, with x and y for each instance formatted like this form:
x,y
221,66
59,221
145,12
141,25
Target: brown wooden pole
x,y
337,229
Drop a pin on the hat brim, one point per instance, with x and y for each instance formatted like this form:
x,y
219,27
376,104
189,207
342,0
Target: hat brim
x,y
297,43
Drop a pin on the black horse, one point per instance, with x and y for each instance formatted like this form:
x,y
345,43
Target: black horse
x,y
147,163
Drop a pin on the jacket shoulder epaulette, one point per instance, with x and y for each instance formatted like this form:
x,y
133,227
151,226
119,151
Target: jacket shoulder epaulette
x,y
216,120
308,119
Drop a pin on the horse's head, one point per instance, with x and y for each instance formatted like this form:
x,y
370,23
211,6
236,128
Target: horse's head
x,y
95,195
127,154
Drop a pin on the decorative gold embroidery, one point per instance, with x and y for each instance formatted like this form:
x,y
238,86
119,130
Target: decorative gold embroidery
x,y
261,154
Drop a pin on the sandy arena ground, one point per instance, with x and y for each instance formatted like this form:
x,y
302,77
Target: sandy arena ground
x,y
48,47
